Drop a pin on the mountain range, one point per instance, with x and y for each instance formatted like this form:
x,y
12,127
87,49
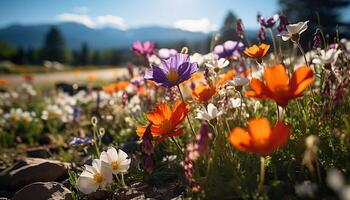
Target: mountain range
x,y
75,34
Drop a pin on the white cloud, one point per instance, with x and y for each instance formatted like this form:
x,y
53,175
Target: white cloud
x,y
97,22
81,10
110,20
196,25
78,18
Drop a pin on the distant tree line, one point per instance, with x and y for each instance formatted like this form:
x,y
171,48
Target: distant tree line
x,y
54,49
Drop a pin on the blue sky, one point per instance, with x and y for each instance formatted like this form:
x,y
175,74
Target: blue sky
x,y
196,15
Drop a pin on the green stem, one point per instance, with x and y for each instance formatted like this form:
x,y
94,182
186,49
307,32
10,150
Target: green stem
x,y
122,180
262,174
188,119
302,52
96,142
274,44
177,145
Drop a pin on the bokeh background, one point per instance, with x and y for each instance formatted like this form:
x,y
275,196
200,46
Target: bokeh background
x,y
100,33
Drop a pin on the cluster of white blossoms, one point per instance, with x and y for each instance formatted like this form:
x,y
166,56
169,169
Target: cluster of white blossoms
x,y
18,115
57,112
100,173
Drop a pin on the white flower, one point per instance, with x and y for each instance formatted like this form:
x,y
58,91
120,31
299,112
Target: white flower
x,y
209,114
95,176
17,114
217,65
165,53
345,193
327,57
201,59
154,60
293,31
118,160
235,103
238,81
335,180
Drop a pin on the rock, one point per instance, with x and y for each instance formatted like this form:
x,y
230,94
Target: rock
x,y
43,191
30,170
38,152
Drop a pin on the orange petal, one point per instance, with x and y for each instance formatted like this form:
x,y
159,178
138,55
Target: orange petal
x,y
240,139
265,47
141,130
276,77
180,111
259,131
301,79
259,89
280,135
177,132
161,112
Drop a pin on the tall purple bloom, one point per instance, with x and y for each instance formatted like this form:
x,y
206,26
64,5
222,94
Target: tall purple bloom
x,y
268,22
228,49
316,39
240,28
144,49
261,34
282,26
172,71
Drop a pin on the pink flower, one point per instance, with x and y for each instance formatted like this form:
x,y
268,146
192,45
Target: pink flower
x,y
145,49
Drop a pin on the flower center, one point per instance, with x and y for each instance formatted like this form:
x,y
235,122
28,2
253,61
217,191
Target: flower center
x,y
173,75
115,165
98,178
166,126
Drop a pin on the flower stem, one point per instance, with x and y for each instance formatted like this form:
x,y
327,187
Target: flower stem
x,y
274,44
302,52
96,142
177,145
122,180
262,174
188,119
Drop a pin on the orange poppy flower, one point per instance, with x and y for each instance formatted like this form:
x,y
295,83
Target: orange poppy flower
x,y
121,85
277,85
257,52
260,137
229,75
165,121
91,77
3,82
28,77
203,92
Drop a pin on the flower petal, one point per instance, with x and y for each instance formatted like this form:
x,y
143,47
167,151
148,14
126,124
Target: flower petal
x,y
301,79
240,139
276,77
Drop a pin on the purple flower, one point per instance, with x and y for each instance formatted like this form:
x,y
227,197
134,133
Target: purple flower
x,y
268,22
144,49
283,23
240,28
80,141
316,39
172,71
203,139
228,49
261,34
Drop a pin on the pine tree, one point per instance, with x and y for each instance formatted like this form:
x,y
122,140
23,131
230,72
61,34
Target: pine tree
x,y
228,29
54,46
84,54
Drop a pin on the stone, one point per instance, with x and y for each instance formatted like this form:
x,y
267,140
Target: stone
x,y
30,170
43,191
38,152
